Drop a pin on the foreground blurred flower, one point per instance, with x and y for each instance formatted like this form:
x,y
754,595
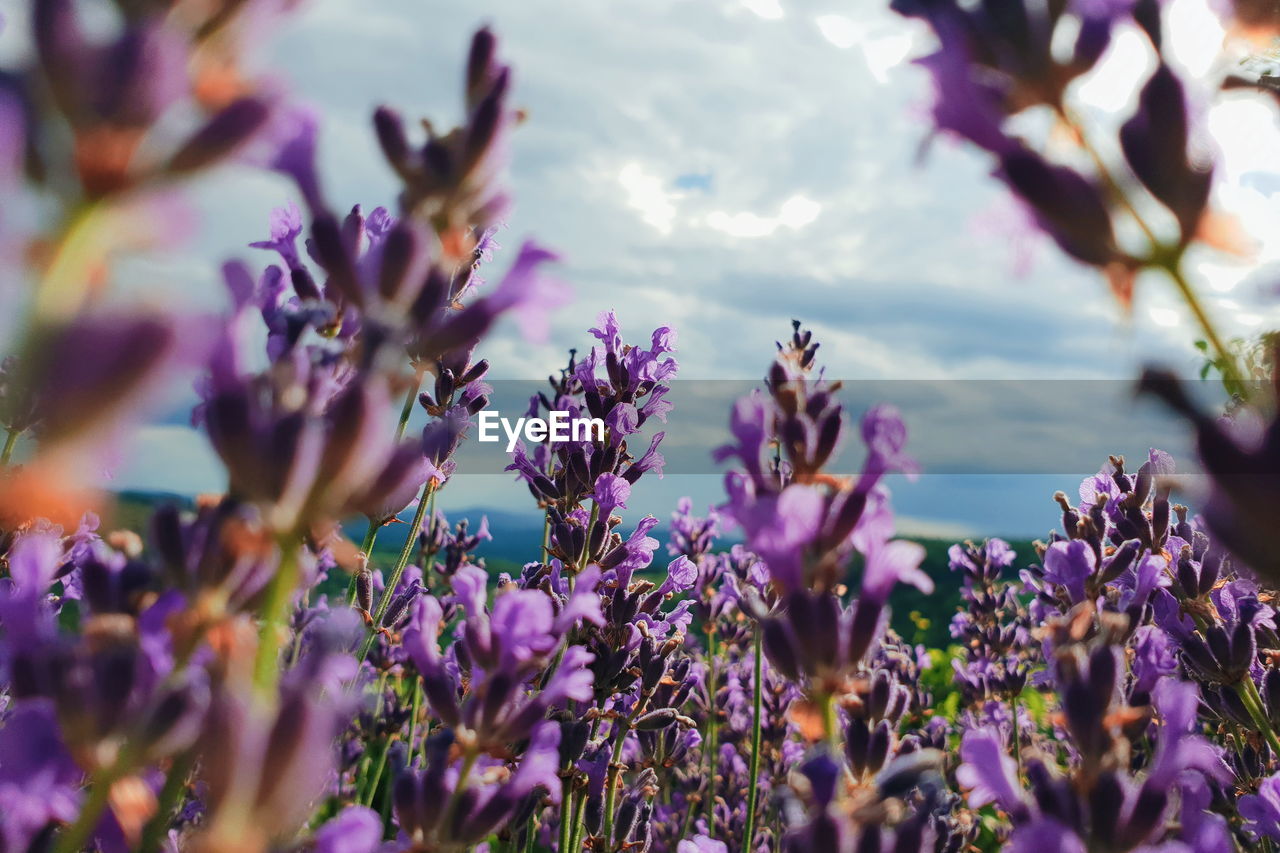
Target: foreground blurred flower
x,y
1244,473
75,386
993,66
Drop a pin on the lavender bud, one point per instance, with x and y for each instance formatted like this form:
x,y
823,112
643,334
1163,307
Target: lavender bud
x,y
780,647
389,128
909,771
1105,802
1146,813
226,131
364,589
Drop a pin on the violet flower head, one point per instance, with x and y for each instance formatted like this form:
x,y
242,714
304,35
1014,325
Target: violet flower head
x,y
452,178
433,810
802,522
988,773
500,650
1261,811
39,782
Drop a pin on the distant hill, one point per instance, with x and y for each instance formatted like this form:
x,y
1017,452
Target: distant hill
x,y
517,537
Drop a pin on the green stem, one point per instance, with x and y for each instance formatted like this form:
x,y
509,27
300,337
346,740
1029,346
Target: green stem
x,y
576,826
1109,180
175,784
566,815
586,542
428,562
390,589
1248,692
1172,266
530,833
546,537
713,732
375,778
364,775
371,535
75,838
275,617
407,410
1017,738
464,774
385,809
757,707
1230,370
615,767
831,721
368,780
414,711
10,442
688,822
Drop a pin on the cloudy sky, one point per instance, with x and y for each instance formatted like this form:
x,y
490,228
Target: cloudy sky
x,y
725,165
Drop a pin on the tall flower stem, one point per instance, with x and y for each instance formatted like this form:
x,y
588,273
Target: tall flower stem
x,y
713,731
1248,692
389,590
546,537
428,561
369,790
1171,263
464,775
10,442
831,721
757,707
374,777
175,783
415,711
615,765
575,824
611,786
275,617
75,838
566,813
1016,736
1230,370
406,411
586,543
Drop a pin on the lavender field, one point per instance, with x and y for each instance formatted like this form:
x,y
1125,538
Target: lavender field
x,y
342,510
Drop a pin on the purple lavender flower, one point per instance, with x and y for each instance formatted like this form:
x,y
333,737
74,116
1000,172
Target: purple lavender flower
x,y
988,773
434,809
39,782
499,650
1261,811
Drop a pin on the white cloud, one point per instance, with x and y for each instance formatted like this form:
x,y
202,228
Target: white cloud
x,y
799,211
796,212
646,194
839,30
886,254
883,48
770,10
